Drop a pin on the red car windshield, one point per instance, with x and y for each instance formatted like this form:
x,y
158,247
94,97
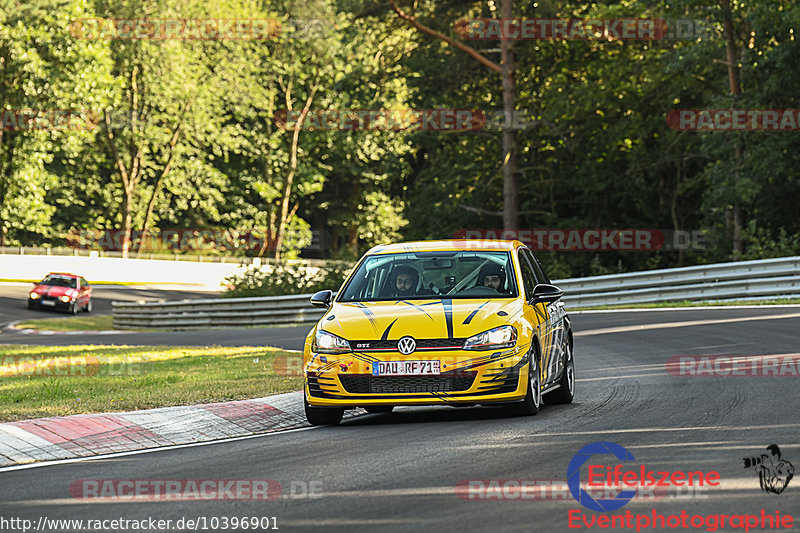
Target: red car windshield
x,y
60,281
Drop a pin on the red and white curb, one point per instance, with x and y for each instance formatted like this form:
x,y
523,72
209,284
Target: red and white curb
x,y
67,437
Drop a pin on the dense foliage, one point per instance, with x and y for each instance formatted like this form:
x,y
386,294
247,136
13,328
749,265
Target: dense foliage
x,y
286,278
186,134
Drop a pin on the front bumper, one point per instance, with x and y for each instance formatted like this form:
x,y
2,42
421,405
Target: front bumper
x,y
57,304
466,378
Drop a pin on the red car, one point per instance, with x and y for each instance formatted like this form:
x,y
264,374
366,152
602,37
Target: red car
x,y
68,292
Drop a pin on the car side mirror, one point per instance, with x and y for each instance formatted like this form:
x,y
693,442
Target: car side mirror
x,y
545,293
322,299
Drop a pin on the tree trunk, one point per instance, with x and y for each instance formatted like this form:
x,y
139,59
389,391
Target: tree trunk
x,y
510,206
6,173
287,189
735,88
506,71
125,211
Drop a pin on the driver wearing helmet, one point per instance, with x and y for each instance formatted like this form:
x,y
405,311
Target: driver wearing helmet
x,y
403,282
492,276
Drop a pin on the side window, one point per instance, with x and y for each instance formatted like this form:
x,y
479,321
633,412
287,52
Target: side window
x,y
528,277
84,283
545,277
537,267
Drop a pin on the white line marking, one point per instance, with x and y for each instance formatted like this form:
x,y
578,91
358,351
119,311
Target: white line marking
x,y
688,308
667,325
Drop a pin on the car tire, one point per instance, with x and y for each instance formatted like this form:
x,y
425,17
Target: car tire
x,y
565,393
323,416
73,308
88,307
378,409
533,398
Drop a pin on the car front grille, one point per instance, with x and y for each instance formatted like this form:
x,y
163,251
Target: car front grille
x,y
366,383
422,344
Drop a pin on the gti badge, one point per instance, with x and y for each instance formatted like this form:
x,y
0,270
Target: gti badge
x,y
406,345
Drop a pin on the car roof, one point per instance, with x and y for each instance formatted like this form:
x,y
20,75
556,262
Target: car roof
x,y
63,274
445,245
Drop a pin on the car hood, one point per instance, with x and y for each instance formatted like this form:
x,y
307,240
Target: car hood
x,y
421,319
53,290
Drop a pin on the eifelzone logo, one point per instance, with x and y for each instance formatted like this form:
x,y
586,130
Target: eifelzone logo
x,y
774,472
632,478
574,477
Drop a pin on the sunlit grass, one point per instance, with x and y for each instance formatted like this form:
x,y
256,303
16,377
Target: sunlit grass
x,y
41,381
84,322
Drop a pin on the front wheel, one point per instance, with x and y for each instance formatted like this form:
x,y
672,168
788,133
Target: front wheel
x,y
88,307
323,416
533,399
73,308
565,393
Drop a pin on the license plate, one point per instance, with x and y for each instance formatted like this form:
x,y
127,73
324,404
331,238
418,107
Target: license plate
x,y
405,368
48,302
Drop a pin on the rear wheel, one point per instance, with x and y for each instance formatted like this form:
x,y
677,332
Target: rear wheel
x,y
565,393
379,409
533,399
323,416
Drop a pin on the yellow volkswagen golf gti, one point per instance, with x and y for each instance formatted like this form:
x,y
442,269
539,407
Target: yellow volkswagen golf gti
x,y
456,323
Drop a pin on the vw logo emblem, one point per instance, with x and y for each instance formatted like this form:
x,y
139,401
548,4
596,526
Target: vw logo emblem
x,y
406,345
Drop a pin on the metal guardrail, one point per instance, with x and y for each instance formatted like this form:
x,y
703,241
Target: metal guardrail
x,y
767,278
770,279
232,312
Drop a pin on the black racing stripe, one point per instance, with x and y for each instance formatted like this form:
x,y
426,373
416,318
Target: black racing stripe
x,y
385,335
448,316
475,312
366,358
370,314
415,306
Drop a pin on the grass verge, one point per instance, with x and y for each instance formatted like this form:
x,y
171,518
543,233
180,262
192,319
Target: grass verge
x,y
43,381
78,323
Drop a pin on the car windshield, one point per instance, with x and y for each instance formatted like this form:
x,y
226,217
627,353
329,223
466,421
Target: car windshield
x,y
60,281
432,275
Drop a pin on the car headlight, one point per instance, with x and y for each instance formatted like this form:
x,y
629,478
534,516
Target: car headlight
x,y
65,298
325,342
34,295
501,337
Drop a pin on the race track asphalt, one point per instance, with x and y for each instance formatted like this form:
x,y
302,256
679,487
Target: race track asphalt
x,y
398,472
13,299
